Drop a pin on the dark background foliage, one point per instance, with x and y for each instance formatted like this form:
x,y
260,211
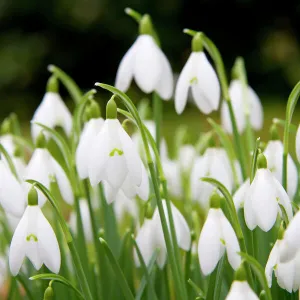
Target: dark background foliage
x,y
87,39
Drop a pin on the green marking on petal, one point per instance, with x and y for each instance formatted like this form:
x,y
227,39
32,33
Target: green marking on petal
x,y
194,80
31,237
223,242
116,151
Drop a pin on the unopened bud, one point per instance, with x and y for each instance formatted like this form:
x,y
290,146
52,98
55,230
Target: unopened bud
x,y
33,198
49,293
111,108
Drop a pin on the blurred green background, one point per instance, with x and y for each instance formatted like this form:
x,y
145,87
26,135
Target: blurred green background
x,y
87,39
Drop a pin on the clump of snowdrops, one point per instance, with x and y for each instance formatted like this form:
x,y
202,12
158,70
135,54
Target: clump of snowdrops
x,y
101,214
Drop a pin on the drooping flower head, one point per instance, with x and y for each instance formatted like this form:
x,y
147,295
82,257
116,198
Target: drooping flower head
x,y
34,238
147,64
245,104
52,111
265,198
199,75
115,160
217,235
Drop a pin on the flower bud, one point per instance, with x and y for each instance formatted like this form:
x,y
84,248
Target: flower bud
x,y
262,161
32,197
146,26
41,140
240,274
215,200
274,133
52,85
111,108
49,294
197,44
6,126
92,111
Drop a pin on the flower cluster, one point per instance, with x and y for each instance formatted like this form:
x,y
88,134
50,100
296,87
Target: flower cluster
x,y
111,214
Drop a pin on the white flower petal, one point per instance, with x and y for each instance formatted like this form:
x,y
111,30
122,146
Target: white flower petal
x,y
125,69
99,154
88,135
47,244
231,242
144,189
52,112
256,110
271,263
210,248
241,194
183,83
263,198
241,290
208,84
17,245
147,64
63,182
132,158
165,84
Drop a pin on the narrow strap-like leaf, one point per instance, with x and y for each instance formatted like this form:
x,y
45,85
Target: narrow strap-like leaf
x,y
118,272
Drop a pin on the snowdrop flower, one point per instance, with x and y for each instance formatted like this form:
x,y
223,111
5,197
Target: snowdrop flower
x,y
52,111
150,236
241,194
240,288
147,64
217,235
114,157
34,238
290,245
88,135
288,273
264,198
12,196
86,220
240,104
273,153
298,144
42,167
199,75
214,163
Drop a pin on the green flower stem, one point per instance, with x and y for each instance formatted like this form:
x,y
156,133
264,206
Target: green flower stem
x,y
240,72
179,284
151,289
259,271
134,14
163,181
68,82
293,128
217,58
292,102
157,110
227,146
118,272
233,218
95,240
76,260
254,160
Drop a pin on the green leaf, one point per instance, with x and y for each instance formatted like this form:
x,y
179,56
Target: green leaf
x,y
61,142
196,288
68,82
57,278
254,160
118,272
150,268
9,161
152,294
260,273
